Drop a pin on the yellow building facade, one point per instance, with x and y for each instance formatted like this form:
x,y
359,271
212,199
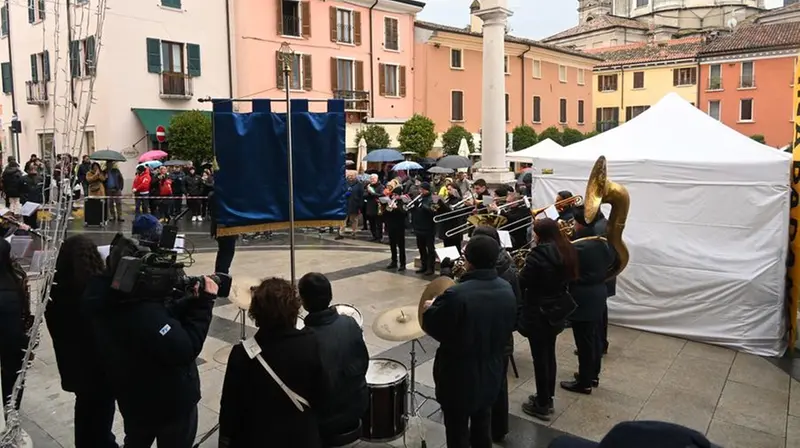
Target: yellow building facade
x,y
634,77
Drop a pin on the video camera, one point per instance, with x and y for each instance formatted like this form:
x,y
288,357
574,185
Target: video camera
x,y
152,271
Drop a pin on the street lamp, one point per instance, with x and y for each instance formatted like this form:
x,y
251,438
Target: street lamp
x,y
287,60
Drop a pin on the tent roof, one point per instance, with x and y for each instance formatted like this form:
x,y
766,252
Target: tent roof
x,y
674,140
526,155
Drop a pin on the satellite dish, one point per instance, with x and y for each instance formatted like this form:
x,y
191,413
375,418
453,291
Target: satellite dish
x,y
732,23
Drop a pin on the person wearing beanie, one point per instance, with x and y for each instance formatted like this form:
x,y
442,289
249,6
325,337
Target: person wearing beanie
x,y
472,322
395,218
148,229
424,229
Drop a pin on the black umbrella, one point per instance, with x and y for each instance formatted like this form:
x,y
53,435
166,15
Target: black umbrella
x,y
108,155
176,163
454,162
439,170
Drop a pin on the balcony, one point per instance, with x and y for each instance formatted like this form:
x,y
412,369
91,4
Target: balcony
x,y
177,86
36,92
355,100
747,82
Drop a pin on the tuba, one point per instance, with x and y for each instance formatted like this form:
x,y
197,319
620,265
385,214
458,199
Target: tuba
x,y
601,190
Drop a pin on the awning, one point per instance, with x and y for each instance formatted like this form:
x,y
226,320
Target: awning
x,y
153,118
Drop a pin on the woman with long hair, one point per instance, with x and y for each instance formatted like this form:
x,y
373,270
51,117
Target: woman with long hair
x,y
255,410
15,321
549,268
73,341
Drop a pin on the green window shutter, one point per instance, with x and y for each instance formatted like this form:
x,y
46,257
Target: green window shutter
x,y
5,71
46,65
41,9
34,68
153,55
4,21
31,11
193,59
171,3
91,63
75,58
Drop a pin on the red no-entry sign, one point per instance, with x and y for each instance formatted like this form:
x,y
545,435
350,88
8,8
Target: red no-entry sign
x,y
161,134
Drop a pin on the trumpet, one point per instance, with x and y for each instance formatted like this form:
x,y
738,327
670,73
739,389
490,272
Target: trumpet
x,y
522,223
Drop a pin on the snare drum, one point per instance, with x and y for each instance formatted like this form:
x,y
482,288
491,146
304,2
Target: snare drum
x,y
351,311
387,384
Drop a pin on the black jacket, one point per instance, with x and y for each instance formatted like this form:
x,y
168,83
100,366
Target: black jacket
x,y
35,187
355,197
508,272
543,281
371,198
13,339
345,357
83,168
150,350
589,290
601,227
472,322
422,217
515,214
254,410
178,180
13,186
194,185
395,219
446,206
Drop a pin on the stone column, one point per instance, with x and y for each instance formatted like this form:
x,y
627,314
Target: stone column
x,y
494,168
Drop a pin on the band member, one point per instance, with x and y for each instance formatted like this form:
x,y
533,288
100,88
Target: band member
x,y
344,355
373,193
395,217
446,205
589,291
15,323
514,212
355,197
472,322
425,230
564,211
480,190
549,268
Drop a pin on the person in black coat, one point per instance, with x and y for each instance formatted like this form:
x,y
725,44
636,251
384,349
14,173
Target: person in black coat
x,y
344,355
549,268
472,322
507,271
515,213
373,191
446,205
600,226
13,186
15,322
425,229
149,347
226,245
395,218
254,410
595,257
194,189
355,201
79,365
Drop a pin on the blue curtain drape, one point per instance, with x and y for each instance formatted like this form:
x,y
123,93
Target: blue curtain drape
x,y
252,181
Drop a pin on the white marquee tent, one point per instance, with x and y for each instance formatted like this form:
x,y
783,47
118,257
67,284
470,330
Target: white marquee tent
x,y
526,155
707,229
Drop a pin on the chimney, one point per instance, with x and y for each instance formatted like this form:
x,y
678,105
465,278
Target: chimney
x,y
475,23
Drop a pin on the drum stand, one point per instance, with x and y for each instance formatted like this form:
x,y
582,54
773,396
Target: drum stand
x,y
414,409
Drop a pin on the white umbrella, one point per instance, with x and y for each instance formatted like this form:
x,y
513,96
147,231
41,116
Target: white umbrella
x,y
463,148
362,153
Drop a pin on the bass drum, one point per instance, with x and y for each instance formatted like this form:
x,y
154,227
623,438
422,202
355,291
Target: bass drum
x,y
387,383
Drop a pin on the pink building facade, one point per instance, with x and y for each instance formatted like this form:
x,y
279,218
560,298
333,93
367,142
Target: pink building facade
x,y
357,50
545,85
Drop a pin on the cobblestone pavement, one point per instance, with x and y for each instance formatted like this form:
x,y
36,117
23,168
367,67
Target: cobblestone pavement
x,y
738,400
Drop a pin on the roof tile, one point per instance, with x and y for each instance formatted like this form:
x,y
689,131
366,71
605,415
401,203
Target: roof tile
x,y
599,23
642,52
751,37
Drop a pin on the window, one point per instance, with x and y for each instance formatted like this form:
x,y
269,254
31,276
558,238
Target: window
x,y
82,57
714,109
612,43
684,76
581,113
638,80
746,110
562,111
715,77
632,112
171,3
5,70
4,21
40,67
641,3
162,57
537,69
391,34
345,75
36,10
456,105
537,109
581,77
747,79
171,57
47,146
392,80
291,19
506,67
607,118
607,83
88,142
347,83
456,58
346,27
508,108
562,73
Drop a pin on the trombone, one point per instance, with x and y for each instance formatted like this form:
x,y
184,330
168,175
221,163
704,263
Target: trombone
x,y
494,219
410,205
522,223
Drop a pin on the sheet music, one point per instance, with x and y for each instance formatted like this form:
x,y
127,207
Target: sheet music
x,y
4,211
384,200
29,208
488,200
552,213
505,238
448,252
104,251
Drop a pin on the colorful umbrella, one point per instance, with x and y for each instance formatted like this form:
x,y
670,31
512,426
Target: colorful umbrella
x,y
152,155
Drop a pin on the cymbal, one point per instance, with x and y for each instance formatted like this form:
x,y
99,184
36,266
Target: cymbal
x,y
433,290
398,325
241,291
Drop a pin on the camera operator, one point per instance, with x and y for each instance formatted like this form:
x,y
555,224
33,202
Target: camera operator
x,y
150,346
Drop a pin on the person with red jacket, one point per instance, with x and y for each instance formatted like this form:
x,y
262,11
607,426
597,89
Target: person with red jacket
x,y
141,189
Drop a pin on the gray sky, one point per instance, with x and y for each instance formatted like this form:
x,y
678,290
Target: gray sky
x,y
532,18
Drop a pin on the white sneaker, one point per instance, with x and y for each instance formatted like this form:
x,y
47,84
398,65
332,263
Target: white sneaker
x,y
200,218
194,218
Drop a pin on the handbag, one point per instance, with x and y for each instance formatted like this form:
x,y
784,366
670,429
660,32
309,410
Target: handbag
x,y
558,308
253,350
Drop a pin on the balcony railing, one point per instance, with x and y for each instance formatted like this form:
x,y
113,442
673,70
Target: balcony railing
x,y
36,92
291,25
176,85
747,82
355,100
